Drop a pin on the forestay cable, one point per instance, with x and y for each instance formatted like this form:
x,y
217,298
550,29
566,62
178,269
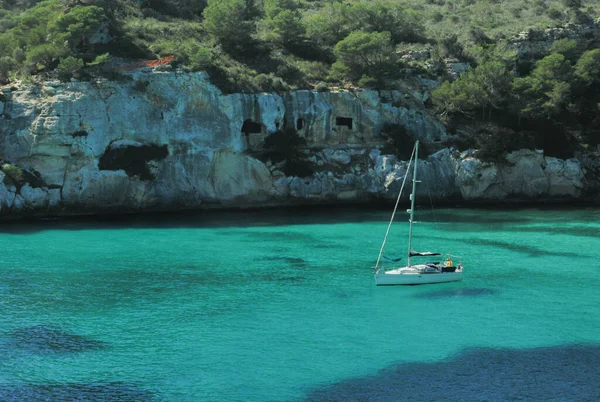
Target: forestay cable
x,y
394,213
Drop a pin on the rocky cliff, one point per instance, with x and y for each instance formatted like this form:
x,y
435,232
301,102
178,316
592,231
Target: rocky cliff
x,y
171,140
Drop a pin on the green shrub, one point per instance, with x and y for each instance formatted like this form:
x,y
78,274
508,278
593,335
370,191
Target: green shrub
x,y
555,14
201,59
587,68
493,143
15,172
364,53
74,27
546,91
486,87
6,65
229,23
321,87
567,47
69,67
100,59
42,56
368,82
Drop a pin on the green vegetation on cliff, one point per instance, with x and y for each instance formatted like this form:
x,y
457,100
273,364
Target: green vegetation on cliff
x,y
275,45
251,44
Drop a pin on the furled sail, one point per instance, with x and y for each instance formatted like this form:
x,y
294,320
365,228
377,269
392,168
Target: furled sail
x,y
414,253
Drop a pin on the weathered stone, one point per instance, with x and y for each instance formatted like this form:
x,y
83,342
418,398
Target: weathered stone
x,y
34,198
339,156
208,142
564,177
236,176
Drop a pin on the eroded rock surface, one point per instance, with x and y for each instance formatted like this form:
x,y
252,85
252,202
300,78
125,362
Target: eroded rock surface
x,y
171,140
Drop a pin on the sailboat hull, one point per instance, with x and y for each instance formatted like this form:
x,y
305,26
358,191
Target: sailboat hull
x,y
389,279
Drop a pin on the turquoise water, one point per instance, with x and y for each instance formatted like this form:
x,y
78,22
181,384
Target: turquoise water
x,y
281,306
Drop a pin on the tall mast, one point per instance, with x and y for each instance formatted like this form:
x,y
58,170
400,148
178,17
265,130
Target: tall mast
x,y
412,200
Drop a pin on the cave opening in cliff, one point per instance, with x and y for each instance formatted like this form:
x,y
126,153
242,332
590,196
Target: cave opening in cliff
x,y
133,159
344,121
299,124
251,127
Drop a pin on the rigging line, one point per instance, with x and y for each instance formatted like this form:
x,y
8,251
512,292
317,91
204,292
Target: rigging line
x,y
394,213
428,184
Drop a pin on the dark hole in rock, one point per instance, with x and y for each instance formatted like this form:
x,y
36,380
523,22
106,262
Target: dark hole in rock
x,y
251,127
299,124
80,133
344,121
132,158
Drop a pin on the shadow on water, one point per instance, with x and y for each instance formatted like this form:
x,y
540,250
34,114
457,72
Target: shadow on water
x,y
110,391
284,216
477,217
581,231
293,261
468,292
565,373
43,339
530,250
519,248
262,236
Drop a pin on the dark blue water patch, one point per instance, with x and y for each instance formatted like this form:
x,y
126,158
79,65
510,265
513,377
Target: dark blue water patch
x,y
581,231
105,392
562,373
293,261
521,248
42,339
279,236
279,277
327,246
477,217
342,295
467,292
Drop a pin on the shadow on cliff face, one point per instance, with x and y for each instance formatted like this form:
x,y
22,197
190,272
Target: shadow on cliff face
x,y
132,157
559,373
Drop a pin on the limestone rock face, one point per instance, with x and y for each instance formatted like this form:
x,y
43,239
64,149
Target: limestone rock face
x,y
527,175
171,140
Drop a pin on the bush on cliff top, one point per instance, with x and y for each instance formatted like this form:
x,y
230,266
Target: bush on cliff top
x,y
271,37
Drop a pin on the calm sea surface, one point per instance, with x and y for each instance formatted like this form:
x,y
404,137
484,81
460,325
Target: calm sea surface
x,y
281,306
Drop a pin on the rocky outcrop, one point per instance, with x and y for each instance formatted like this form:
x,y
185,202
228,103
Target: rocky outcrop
x,y
534,44
527,175
170,140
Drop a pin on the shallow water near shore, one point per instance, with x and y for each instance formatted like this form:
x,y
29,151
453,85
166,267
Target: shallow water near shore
x,y
281,306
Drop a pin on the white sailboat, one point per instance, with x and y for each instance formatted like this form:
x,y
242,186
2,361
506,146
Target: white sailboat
x,y
429,272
